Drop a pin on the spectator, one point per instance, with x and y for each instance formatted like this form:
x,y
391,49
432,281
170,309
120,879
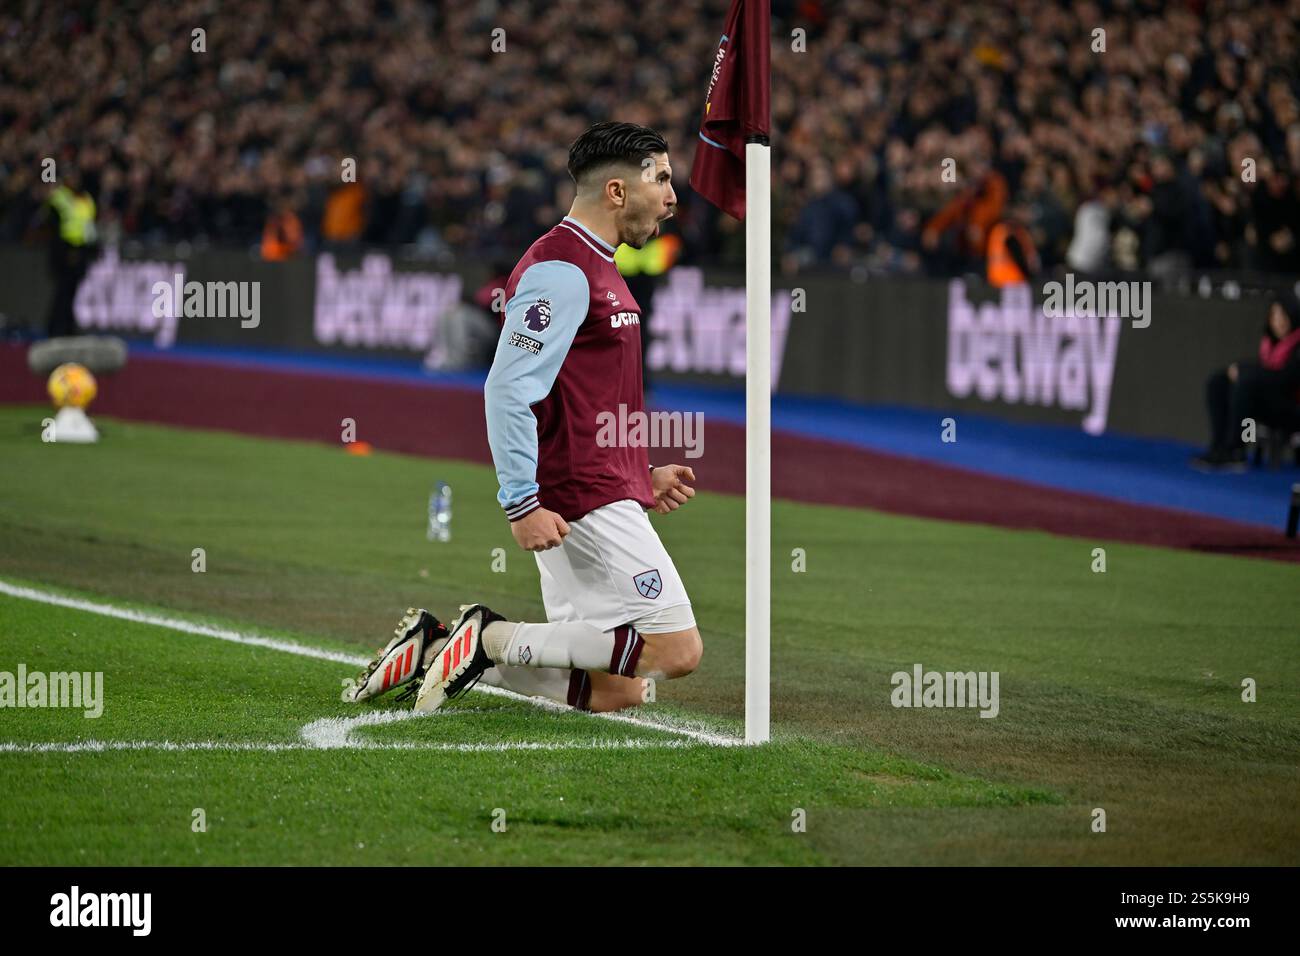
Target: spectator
x,y
282,237
345,215
823,231
190,146
1267,391
1090,248
1012,258
71,249
467,334
1276,218
957,235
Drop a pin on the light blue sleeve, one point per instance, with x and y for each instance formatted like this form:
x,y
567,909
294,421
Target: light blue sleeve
x,y
542,317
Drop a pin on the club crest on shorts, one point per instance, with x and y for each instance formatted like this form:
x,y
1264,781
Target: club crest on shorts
x,y
538,316
648,584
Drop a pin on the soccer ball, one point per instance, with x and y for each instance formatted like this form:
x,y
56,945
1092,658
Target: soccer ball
x,y
71,385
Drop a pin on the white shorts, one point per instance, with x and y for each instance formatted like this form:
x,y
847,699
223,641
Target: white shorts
x,y
613,570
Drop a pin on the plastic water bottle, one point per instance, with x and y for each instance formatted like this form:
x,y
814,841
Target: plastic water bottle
x,y
440,513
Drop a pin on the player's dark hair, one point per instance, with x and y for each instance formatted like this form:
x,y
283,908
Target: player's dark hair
x,y
607,143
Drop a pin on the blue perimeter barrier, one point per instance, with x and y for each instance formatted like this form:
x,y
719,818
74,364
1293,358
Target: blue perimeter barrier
x,y
1139,471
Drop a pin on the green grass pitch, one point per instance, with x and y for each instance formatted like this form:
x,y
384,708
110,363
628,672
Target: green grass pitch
x,y
1119,691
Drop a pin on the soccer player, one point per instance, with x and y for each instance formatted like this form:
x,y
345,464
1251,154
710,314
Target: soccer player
x,y
570,349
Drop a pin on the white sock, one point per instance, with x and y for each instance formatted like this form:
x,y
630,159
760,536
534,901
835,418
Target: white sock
x,y
572,687
567,645
496,638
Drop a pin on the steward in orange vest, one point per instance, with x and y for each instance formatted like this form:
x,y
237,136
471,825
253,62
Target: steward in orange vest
x,y
1012,259
282,235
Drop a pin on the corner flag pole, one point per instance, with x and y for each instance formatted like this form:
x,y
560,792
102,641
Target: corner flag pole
x,y
758,440
734,133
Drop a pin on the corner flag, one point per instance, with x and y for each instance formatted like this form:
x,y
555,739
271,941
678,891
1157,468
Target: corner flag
x,y
737,107
733,162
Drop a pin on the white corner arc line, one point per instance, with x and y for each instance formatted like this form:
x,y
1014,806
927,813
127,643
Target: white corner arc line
x,y
319,653
333,733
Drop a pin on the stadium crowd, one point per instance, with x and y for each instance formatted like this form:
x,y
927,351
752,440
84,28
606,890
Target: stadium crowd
x,y
1176,148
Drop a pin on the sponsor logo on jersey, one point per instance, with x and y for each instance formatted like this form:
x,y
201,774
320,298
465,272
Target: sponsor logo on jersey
x,y
538,316
620,319
519,340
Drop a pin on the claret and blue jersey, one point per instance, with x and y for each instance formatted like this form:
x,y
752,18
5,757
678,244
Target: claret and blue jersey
x,y
570,349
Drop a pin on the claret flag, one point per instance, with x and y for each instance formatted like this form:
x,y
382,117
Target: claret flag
x,y
737,108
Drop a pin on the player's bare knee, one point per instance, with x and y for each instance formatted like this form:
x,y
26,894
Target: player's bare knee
x,y
689,651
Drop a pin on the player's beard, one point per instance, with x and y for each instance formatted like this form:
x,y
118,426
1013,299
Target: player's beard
x,y
642,232
650,233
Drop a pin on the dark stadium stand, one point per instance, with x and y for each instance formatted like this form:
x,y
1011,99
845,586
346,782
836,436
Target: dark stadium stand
x,y
1127,159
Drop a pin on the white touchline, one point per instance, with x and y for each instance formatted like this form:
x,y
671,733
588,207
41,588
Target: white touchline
x,y
101,746
320,653
177,624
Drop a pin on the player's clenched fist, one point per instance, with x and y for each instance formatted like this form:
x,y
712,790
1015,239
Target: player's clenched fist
x,y
671,489
539,530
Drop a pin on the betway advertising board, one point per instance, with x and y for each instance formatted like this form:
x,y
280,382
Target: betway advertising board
x,y
952,346
1013,352
958,346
